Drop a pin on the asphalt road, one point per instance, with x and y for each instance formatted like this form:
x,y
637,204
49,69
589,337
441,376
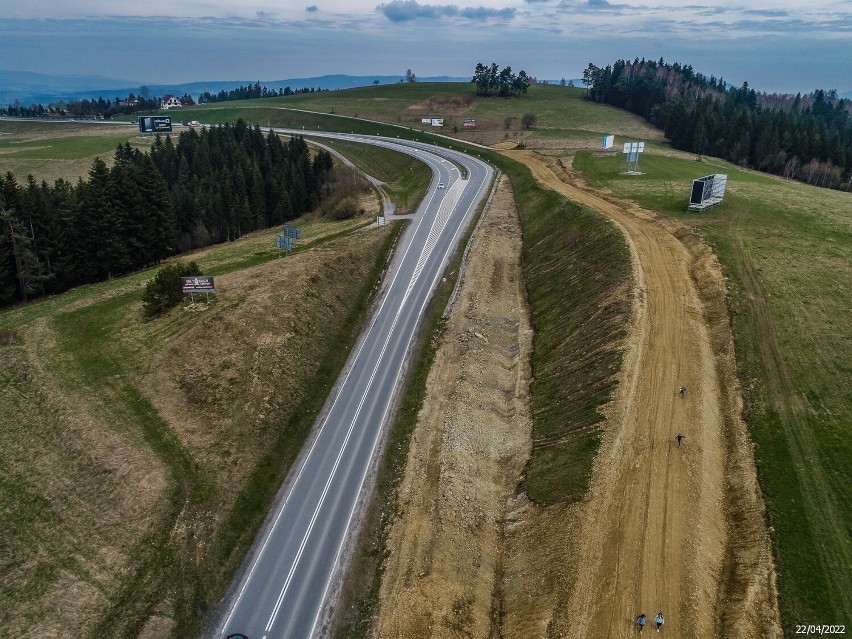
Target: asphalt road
x,y
288,582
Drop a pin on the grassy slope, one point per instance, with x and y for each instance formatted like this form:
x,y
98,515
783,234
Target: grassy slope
x,y
405,178
577,268
98,350
786,250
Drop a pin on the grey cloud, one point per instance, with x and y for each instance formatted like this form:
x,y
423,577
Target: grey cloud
x,y
574,6
312,9
482,13
406,10
769,13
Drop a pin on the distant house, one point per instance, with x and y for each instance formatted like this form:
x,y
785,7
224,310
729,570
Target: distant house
x,y
131,102
170,102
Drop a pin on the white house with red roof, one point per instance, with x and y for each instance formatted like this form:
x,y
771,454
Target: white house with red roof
x,y
170,102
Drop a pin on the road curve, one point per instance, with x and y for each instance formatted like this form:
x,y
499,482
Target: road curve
x,y
285,586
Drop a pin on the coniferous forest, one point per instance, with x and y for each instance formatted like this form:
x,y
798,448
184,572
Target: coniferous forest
x,y
801,137
210,186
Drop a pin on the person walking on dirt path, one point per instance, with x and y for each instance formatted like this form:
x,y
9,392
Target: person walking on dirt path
x,y
641,620
682,390
679,438
659,620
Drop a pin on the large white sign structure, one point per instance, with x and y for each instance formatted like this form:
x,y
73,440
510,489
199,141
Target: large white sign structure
x,y
607,142
707,192
632,151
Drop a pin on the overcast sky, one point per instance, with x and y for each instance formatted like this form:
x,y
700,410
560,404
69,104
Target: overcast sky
x,y
774,45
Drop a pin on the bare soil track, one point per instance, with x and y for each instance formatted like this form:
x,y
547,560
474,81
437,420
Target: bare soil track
x,y
676,529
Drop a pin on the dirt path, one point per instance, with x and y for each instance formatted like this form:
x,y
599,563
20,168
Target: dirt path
x,y
665,525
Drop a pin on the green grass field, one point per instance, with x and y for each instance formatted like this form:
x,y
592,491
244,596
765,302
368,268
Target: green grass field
x,y
52,150
786,251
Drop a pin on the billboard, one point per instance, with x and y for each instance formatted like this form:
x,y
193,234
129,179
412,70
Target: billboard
x,y
437,121
608,141
469,123
197,284
426,121
707,191
632,151
155,124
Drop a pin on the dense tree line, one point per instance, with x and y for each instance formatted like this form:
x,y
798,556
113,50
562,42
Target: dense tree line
x,y
803,137
93,108
250,92
491,80
210,186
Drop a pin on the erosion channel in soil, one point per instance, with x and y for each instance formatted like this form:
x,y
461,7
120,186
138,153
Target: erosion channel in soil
x,y
677,529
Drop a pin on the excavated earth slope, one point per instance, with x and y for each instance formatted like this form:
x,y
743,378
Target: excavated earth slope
x,y
677,529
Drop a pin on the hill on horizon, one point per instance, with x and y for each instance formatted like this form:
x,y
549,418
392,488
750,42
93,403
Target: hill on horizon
x,y
39,88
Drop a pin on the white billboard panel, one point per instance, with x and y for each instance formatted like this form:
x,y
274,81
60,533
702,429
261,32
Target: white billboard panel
x,y
707,192
437,121
608,141
720,181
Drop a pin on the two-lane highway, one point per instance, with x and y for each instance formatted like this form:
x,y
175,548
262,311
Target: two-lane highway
x,y
286,585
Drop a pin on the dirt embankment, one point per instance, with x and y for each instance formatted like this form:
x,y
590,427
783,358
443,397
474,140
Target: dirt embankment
x,y
443,574
665,528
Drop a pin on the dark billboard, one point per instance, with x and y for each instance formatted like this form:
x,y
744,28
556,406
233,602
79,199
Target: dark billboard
x,y
197,284
155,124
697,192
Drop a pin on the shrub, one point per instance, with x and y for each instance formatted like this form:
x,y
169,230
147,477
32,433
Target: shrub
x,y
528,120
345,209
164,291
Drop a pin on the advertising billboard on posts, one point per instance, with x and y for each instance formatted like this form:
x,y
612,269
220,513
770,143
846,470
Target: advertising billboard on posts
x,y
155,124
197,284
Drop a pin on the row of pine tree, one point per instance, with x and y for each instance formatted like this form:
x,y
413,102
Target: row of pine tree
x,y
208,187
808,138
